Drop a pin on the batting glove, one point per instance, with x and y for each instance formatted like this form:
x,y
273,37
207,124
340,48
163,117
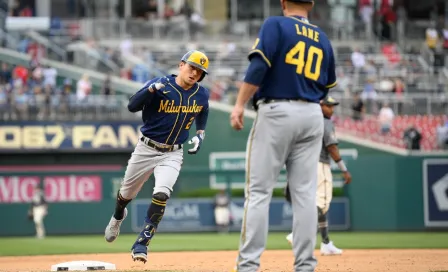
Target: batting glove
x,y
156,86
196,141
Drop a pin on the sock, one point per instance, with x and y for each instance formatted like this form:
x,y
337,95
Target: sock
x,y
153,217
155,211
323,226
120,204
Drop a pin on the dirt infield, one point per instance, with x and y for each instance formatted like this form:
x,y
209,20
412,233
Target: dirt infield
x,y
273,261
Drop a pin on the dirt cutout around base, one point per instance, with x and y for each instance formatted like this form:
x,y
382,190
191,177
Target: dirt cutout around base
x,y
273,261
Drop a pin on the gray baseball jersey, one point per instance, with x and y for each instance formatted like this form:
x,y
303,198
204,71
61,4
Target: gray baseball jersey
x,y
328,139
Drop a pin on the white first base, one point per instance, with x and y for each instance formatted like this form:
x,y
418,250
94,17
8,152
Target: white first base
x,y
82,266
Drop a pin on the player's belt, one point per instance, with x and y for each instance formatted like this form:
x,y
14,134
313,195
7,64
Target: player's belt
x,y
160,148
272,100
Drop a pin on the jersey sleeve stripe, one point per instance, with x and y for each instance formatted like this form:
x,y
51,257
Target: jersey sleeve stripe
x,y
331,85
258,51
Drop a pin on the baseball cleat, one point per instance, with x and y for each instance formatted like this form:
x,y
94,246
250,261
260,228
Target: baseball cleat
x,y
289,238
113,228
329,249
139,253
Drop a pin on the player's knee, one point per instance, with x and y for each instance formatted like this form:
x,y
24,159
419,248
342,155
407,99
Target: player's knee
x,y
162,190
161,196
321,214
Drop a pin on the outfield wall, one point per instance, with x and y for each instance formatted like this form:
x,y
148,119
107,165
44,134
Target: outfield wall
x,y
387,192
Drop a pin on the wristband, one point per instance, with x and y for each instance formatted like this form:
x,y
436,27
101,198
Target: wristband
x,y
342,166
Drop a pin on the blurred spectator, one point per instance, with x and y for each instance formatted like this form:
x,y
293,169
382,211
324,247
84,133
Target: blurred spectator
x,y
20,102
442,134
388,20
126,46
5,74
370,69
399,92
186,10
107,86
4,104
366,12
432,37
385,118
412,138
37,103
445,38
358,59
222,211
15,8
358,109
19,75
369,96
83,87
197,24
50,74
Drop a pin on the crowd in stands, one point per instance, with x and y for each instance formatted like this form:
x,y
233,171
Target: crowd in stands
x,y
37,93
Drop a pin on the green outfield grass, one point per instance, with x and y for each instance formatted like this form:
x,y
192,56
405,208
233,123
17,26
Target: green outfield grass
x,y
16,246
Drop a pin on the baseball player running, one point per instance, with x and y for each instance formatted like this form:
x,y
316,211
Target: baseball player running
x,y
291,69
325,178
169,107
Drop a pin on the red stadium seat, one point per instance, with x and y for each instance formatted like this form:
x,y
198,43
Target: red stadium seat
x,y
369,129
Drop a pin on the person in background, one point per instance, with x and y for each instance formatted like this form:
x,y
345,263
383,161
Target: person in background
x,y
358,108
412,138
442,134
385,118
222,212
38,211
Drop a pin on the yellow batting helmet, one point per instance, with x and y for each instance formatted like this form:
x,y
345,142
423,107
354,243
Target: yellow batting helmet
x,y
197,59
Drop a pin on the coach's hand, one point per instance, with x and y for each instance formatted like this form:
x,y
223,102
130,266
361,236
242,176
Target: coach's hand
x,y
196,141
347,177
236,118
156,86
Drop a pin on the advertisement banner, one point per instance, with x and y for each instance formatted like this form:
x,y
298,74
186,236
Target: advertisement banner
x,y
69,136
196,215
237,161
435,192
68,188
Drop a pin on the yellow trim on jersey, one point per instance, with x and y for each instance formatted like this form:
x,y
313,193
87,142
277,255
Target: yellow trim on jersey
x,y
262,55
177,118
249,152
185,117
297,19
331,85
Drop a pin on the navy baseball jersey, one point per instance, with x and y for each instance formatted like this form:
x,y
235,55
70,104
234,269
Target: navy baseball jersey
x,y
300,59
169,113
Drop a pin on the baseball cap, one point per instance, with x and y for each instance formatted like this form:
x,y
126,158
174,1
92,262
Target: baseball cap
x,y
329,101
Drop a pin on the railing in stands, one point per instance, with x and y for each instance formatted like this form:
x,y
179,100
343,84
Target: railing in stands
x,y
62,107
407,104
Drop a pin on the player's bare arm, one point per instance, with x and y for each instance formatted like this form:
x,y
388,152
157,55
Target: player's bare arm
x,y
255,73
247,90
334,153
